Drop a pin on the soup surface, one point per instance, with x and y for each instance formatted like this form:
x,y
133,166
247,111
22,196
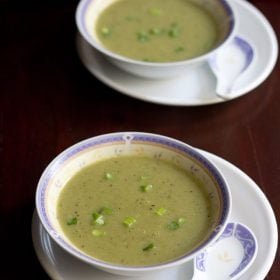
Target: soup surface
x,y
135,211
157,30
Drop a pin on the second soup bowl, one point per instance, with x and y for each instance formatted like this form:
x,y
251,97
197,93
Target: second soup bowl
x,y
163,25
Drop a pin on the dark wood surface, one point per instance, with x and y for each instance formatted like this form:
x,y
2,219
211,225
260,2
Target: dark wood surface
x,y
49,101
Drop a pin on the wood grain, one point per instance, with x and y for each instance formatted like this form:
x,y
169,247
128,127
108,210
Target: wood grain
x,y
49,101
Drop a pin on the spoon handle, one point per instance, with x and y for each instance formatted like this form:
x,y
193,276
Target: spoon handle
x,y
223,89
229,64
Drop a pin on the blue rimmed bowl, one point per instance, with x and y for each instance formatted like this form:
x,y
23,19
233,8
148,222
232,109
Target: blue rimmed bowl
x,y
223,13
72,160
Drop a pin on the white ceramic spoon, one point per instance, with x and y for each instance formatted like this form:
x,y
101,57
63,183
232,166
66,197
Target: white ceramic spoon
x,y
229,63
229,257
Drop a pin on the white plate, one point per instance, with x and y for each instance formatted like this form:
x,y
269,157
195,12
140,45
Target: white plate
x,y
250,207
197,88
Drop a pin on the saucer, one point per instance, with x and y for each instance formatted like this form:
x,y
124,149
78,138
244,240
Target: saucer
x,y
197,88
245,195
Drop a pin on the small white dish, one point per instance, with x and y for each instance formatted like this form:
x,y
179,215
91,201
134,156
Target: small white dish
x,y
245,195
197,88
234,252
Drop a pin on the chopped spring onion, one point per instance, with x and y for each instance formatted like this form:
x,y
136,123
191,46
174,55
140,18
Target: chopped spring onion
x,y
72,221
181,221
146,188
106,31
129,221
108,176
98,218
173,225
156,31
149,247
142,36
174,31
98,233
131,18
155,12
176,224
179,49
161,211
106,211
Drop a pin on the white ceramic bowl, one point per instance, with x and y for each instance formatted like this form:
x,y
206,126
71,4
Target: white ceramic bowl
x,y
87,13
69,162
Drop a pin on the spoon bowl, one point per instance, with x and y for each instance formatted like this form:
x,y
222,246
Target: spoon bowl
x,y
229,257
229,64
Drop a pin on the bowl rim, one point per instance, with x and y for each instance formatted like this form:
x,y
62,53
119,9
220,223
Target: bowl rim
x,y
80,23
85,144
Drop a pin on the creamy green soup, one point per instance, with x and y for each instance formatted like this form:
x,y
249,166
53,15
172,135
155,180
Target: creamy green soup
x,y
157,30
135,211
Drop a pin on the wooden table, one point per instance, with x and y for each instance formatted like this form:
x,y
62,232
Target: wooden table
x,y
49,101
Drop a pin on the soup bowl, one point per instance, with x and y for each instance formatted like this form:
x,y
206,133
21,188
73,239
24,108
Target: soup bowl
x,y
113,146
87,14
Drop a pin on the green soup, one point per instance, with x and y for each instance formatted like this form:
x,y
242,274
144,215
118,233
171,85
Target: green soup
x,y
135,211
157,30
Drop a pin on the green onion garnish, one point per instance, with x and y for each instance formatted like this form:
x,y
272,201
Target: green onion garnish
x,y
106,211
155,12
98,218
72,221
129,221
131,18
142,36
173,225
106,31
179,49
98,233
173,33
174,30
176,224
156,31
149,247
108,176
146,188
161,211
181,221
